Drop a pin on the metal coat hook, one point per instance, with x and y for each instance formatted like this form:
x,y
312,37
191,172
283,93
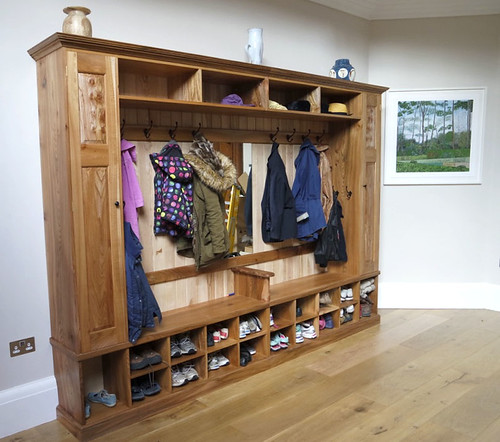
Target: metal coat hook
x,y
290,137
306,135
273,136
348,193
319,138
194,132
172,132
147,132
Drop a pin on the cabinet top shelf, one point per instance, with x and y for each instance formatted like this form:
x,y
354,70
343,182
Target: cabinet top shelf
x,y
127,50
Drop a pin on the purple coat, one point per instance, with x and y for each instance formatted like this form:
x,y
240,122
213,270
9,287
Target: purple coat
x,y
132,195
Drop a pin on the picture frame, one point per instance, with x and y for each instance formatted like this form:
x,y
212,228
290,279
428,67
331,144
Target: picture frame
x,y
434,136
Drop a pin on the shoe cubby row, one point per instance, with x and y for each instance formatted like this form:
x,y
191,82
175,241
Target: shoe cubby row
x,y
160,84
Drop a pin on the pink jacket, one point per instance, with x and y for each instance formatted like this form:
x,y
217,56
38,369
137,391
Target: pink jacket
x,y
132,195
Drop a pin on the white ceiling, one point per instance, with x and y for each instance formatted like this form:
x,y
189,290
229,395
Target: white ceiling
x,y
395,9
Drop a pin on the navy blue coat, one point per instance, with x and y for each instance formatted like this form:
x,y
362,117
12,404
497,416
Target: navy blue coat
x,y
306,190
141,303
278,205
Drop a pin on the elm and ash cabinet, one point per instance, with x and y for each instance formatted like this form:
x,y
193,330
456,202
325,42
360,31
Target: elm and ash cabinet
x,y
91,93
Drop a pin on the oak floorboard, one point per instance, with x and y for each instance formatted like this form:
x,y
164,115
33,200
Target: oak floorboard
x,y
421,375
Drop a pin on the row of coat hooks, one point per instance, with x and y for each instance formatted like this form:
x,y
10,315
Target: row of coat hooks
x,y
289,137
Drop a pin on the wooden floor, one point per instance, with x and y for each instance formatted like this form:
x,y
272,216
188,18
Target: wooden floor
x,y
422,375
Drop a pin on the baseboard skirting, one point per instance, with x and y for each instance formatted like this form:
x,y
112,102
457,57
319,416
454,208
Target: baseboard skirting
x,y
28,405
439,295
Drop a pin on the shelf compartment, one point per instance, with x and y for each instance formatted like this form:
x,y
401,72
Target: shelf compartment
x,y
309,305
230,353
285,92
216,85
159,80
283,315
261,346
233,333
197,337
334,95
289,332
161,377
199,364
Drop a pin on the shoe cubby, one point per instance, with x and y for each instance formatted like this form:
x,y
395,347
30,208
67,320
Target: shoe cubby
x,y
185,375
187,346
282,339
149,357
159,81
329,301
150,385
308,306
253,325
217,84
258,347
104,372
285,92
222,334
223,361
368,297
282,316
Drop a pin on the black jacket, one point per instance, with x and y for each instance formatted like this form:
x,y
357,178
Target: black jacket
x,y
278,205
331,243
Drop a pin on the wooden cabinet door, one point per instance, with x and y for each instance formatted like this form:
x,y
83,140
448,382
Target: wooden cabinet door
x,y
97,202
371,186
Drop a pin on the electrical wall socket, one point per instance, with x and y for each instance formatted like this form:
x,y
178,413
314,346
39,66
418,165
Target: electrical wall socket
x,y
22,346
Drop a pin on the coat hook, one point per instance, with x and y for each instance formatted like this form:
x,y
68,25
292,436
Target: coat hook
x,y
147,132
306,135
348,193
319,138
273,136
172,132
290,137
121,128
194,132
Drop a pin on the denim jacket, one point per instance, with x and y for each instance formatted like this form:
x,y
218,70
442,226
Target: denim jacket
x,y
141,303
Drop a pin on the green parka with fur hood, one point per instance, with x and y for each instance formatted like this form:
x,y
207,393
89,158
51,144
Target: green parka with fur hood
x,y
214,174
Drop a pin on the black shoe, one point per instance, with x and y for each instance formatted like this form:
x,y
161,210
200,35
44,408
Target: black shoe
x,y
299,312
210,339
245,357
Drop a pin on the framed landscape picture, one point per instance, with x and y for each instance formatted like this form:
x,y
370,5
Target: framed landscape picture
x,y
434,136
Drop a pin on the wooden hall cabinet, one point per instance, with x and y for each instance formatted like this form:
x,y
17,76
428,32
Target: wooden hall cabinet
x,y
91,93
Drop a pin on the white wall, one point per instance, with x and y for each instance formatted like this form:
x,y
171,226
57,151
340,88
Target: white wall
x,y
440,245
298,35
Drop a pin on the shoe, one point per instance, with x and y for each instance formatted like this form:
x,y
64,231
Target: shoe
x,y
224,333
298,312
175,351
348,317
325,298
222,360
252,325
257,320
298,334
245,357
350,309
322,323
249,348
102,397
186,346
271,322
275,342
87,409
178,378
210,339
189,372
244,329
150,356
137,393
283,340
308,331
328,320
216,335
213,363
137,362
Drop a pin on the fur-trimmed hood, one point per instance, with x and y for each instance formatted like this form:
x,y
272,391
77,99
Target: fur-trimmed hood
x,y
213,168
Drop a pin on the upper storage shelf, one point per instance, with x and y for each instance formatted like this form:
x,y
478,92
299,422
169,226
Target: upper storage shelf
x,y
161,79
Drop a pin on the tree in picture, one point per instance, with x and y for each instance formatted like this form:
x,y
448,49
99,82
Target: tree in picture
x,y
434,136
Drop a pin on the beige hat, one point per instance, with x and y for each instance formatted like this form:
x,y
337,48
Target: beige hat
x,y
337,108
275,105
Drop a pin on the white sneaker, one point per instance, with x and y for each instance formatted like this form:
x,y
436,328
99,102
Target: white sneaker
x,y
244,329
213,363
178,378
189,372
308,331
350,309
222,360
